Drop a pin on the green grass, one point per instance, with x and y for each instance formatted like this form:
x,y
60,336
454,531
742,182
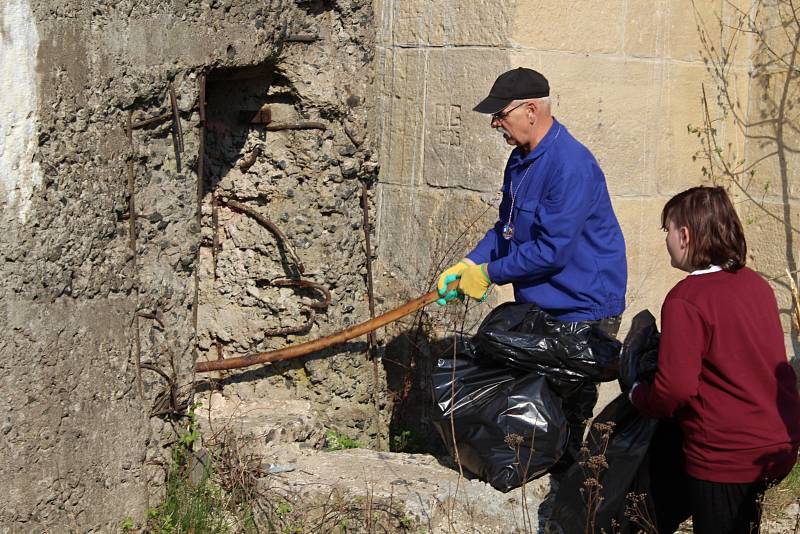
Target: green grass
x,y
787,492
338,442
189,507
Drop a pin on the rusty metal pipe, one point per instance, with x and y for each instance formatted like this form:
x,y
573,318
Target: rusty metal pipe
x,y
302,349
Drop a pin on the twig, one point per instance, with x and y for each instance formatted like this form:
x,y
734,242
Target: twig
x,y
796,296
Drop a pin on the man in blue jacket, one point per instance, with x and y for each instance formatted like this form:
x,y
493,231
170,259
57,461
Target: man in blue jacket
x,y
557,239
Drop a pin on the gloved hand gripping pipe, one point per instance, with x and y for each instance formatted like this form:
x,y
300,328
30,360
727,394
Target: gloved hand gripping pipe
x,y
296,351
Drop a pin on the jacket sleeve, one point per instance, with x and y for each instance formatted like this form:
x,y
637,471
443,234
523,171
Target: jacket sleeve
x,y
491,247
557,225
680,355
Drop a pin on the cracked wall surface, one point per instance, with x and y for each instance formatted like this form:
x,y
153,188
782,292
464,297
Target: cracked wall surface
x,y
98,255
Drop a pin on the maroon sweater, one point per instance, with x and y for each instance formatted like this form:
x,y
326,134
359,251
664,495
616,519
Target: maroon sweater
x,y
723,373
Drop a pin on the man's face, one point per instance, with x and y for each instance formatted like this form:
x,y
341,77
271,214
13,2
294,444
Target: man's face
x,y
514,123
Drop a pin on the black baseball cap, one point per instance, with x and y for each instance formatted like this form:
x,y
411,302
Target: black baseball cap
x,y
516,84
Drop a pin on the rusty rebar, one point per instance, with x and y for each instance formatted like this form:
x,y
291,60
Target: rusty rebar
x,y
201,156
264,221
302,349
132,244
371,342
153,120
297,330
214,232
301,38
166,402
299,282
176,117
368,247
154,316
306,125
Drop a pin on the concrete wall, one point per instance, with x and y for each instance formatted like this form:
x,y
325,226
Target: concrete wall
x,y
85,427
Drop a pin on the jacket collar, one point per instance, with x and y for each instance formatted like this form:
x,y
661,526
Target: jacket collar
x,y
517,159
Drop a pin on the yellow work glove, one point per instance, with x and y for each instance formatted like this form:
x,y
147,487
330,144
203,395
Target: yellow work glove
x,y
452,273
475,281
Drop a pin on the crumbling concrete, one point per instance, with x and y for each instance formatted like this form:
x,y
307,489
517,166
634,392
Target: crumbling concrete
x,y
100,247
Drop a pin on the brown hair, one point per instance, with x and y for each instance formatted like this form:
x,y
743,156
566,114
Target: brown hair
x,y
715,231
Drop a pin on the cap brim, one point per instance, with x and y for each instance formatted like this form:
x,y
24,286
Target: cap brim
x,y
491,105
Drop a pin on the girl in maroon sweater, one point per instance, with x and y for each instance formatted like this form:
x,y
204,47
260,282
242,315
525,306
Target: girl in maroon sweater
x,y
722,370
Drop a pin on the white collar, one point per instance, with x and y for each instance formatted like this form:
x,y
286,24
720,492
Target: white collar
x,y
712,269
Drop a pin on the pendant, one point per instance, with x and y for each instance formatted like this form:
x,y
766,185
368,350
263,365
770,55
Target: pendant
x,y
508,231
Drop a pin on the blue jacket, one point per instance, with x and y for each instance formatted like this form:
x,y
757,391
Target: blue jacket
x,y
567,253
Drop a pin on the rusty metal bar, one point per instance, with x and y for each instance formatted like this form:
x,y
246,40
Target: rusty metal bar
x,y
214,232
301,38
371,342
154,316
306,125
368,247
285,282
176,116
132,244
269,225
299,330
201,176
153,120
302,349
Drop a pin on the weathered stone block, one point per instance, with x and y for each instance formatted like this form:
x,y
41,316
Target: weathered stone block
x,y
611,112
421,231
430,133
571,26
650,275
461,149
772,247
400,96
420,22
671,29
680,157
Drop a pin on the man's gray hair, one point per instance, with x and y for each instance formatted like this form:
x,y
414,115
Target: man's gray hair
x,y
543,102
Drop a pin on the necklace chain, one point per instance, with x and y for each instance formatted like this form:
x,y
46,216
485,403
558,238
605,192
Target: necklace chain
x,y
508,228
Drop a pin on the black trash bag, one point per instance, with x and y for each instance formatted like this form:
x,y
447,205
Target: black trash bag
x,y
625,453
639,359
569,354
639,453
578,408
491,407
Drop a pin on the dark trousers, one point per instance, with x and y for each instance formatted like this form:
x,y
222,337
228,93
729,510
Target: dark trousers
x,y
715,507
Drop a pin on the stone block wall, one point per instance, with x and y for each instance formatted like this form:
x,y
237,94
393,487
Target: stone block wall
x,y
627,78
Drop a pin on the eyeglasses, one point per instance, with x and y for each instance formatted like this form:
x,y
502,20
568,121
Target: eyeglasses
x,y
501,115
